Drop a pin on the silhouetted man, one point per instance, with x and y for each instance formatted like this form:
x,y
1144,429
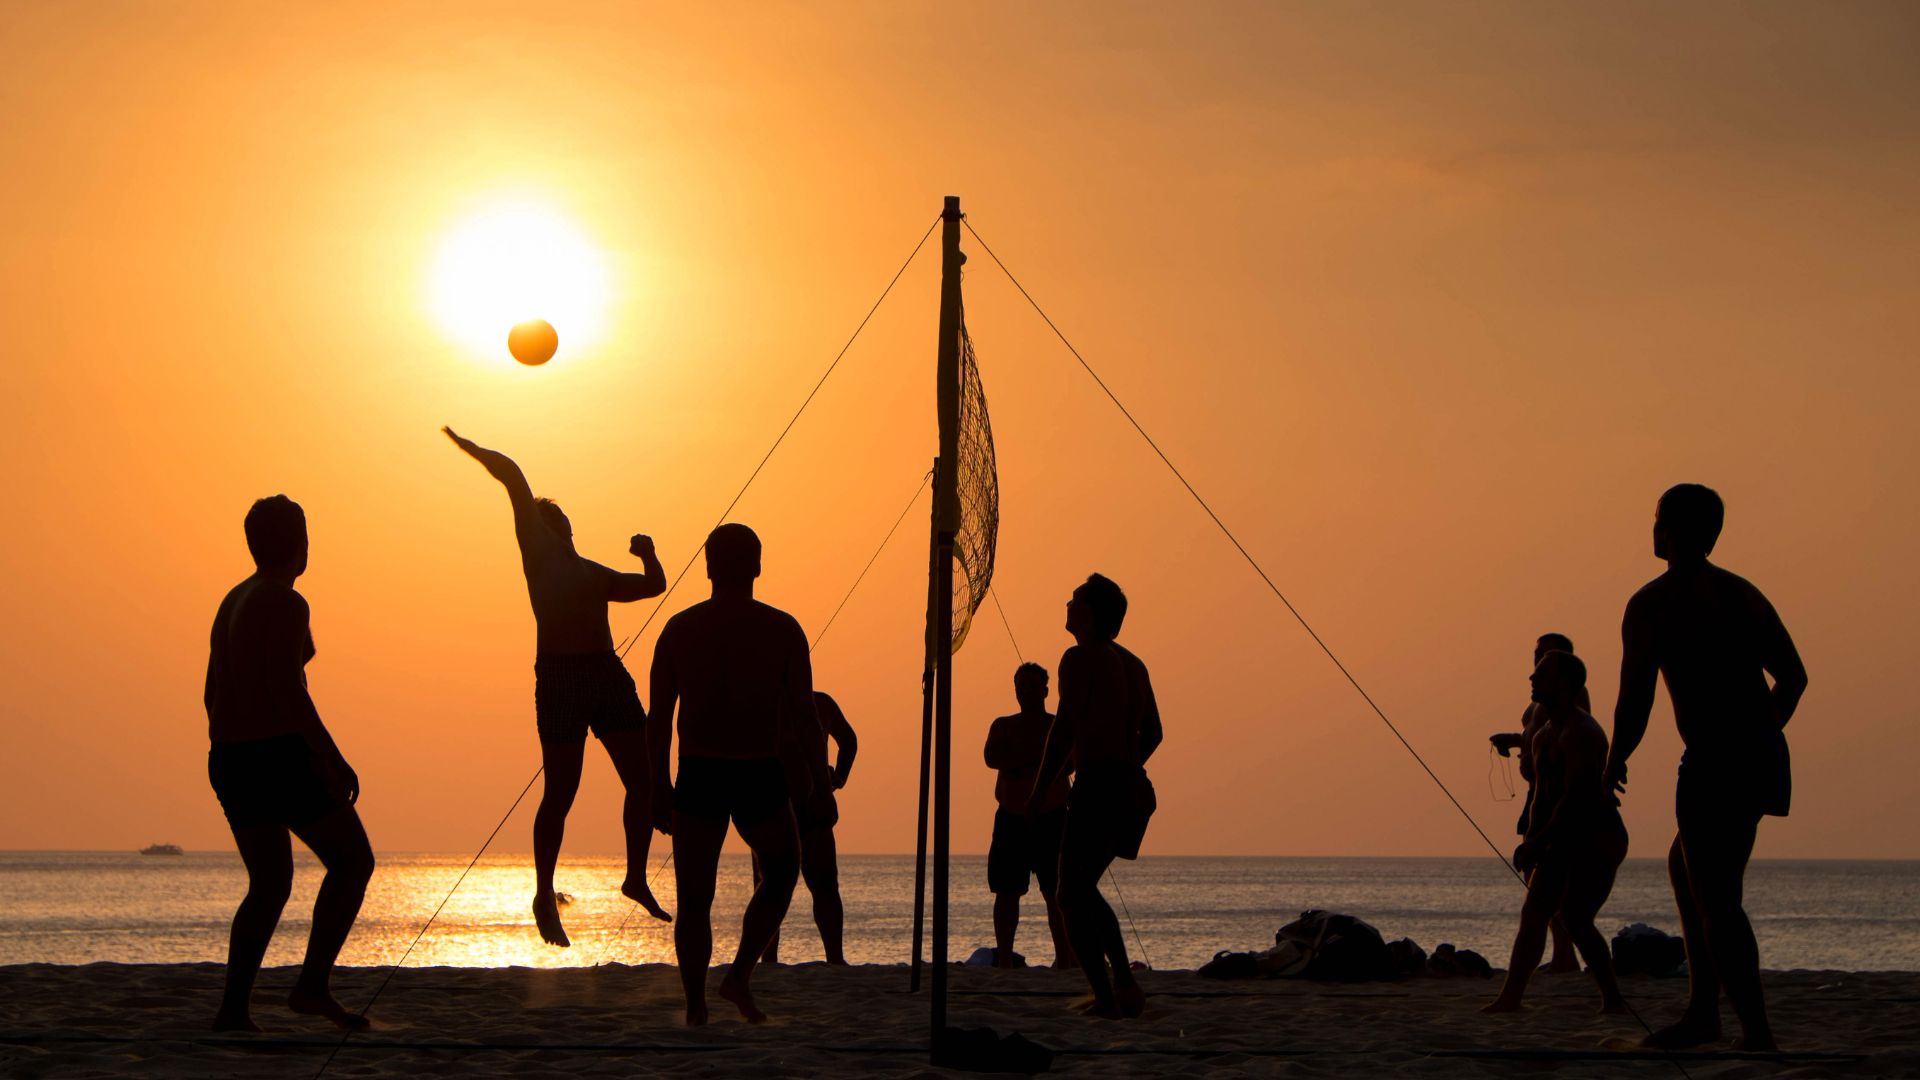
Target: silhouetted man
x,y
1575,840
738,670
1564,959
579,682
276,771
1025,846
815,816
1714,639
1107,728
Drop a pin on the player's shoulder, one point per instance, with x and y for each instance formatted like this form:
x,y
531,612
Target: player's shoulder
x,y
774,616
1735,585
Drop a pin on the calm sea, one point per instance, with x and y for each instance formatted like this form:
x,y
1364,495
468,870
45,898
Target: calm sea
x,y
79,907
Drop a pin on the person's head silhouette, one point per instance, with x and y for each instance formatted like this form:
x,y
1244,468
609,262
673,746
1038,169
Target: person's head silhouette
x,y
277,536
1097,609
555,518
1030,686
1550,642
733,555
1559,678
1687,523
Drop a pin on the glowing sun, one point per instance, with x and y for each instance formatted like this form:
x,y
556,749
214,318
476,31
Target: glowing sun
x,y
512,262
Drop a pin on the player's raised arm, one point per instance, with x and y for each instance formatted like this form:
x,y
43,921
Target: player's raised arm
x,y
527,526
626,588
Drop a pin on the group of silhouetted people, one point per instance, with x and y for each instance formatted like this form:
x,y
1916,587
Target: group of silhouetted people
x,y
1735,679
1072,790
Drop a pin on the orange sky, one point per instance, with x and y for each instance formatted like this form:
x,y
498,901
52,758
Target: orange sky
x,y
1430,301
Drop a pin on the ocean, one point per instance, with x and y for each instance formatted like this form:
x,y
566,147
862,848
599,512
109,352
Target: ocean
x,y
82,907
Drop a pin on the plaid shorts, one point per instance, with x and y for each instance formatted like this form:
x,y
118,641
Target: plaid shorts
x,y
574,693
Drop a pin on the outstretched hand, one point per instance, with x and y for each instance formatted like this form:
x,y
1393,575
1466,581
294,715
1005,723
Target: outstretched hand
x,y
462,441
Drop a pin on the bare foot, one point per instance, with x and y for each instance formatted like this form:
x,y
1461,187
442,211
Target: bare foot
x,y
1615,1007
1093,1006
637,891
323,1004
1687,1033
742,999
1500,1005
546,915
697,1015
1130,999
234,1022
1756,1044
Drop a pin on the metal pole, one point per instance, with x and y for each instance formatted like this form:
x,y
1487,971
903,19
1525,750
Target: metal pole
x,y
926,752
947,518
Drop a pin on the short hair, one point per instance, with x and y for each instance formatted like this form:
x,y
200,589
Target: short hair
x,y
1574,667
276,530
555,517
733,553
1554,642
1106,602
1692,515
1030,672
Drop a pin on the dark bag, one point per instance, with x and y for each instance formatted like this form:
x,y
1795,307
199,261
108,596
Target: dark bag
x,y
1340,948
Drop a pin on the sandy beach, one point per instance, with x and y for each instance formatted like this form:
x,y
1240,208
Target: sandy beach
x,y
105,1020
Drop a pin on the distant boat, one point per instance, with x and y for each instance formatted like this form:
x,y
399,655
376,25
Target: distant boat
x,y
162,849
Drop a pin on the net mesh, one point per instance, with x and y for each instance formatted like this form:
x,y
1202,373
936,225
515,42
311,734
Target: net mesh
x,y
978,480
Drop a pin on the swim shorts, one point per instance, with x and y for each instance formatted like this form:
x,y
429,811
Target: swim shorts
x,y
1109,806
1025,848
276,781
749,791
1751,780
574,693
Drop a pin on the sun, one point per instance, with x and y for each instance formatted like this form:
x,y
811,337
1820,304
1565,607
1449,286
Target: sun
x,y
511,261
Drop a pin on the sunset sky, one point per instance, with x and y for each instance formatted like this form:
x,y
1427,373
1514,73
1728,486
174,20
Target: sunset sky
x,y
1430,301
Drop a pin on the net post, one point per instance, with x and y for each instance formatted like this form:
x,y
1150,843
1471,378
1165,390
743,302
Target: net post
x,y
946,518
926,751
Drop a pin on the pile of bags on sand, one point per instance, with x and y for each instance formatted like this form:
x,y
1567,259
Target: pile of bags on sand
x,y
1642,950
1332,947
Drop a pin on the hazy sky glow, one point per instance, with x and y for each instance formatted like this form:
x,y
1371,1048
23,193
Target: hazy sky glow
x,y
1430,301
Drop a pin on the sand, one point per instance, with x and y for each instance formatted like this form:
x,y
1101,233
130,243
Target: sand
x,y
150,1020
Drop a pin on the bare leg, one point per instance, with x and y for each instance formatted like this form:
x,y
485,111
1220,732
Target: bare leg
x,y
696,853
268,854
1006,923
777,845
1564,961
628,750
1587,891
1717,852
1546,887
562,761
1092,927
771,955
1063,957
340,842
1700,1023
820,866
